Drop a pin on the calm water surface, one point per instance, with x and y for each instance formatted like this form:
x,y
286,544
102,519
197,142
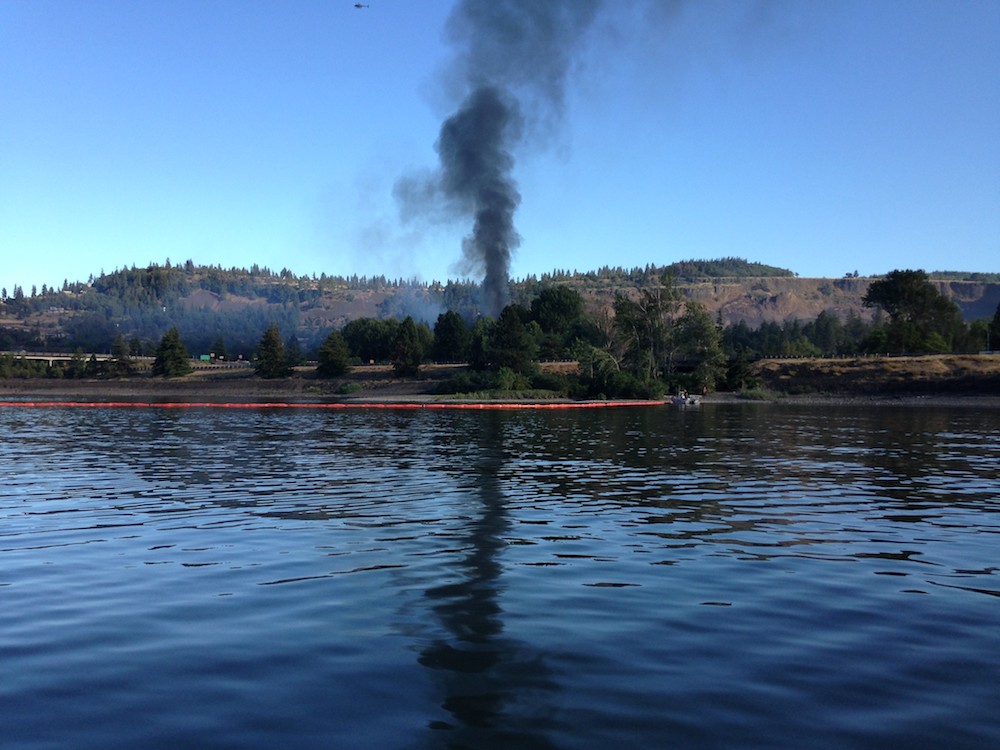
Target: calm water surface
x,y
727,577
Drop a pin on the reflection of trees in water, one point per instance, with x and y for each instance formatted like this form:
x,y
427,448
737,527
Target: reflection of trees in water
x,y
271,463
200,446
757,479
891,458
493,686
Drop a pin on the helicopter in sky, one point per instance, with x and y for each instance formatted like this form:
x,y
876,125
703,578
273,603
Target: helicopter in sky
x,y
361,5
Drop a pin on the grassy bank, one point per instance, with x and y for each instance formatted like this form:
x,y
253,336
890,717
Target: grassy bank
x,y
955,376
944,374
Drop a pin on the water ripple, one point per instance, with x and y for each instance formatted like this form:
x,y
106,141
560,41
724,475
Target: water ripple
x,y
433,579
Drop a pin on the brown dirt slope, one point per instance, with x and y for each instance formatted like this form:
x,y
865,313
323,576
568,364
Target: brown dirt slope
x,y
950,374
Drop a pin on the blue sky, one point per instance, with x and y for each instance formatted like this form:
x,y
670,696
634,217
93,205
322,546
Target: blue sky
x,y
822,137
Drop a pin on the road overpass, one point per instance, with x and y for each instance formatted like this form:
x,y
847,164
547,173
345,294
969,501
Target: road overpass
x,y
52,357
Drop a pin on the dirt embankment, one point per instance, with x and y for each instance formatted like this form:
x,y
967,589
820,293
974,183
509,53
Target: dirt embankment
x,y
945,374
371,382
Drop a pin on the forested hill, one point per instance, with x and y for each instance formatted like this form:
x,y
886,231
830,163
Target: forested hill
x,y
209,303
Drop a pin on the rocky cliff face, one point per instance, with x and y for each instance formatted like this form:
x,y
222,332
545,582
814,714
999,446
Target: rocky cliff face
x,y
976,299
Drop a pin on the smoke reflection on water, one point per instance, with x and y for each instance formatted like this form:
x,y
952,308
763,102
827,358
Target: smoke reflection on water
x,y
492,579
483,671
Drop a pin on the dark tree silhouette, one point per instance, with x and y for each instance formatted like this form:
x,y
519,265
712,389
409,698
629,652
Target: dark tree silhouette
x,y
171,356
407,352
920,317
121,364
333,357
452,338
510,343
271,359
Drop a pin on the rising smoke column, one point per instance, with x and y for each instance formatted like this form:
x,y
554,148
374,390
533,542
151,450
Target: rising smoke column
x,y
511,65
476,169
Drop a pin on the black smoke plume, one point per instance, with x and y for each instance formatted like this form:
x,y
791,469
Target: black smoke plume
x,y
476,169
511,65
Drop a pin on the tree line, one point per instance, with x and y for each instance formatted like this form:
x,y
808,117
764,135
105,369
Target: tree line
x,y
143,303
649,341
148,301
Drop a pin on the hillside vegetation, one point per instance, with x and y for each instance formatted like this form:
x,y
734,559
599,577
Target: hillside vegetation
x,y
210,305
635,334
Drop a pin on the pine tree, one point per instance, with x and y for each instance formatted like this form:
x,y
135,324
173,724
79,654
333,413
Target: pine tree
x,y
700,341
333,358
293,351
172,357
271,360
407,353
77,365
511,343
121,365
452,338
219,348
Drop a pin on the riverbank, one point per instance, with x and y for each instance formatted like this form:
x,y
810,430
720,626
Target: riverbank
x,y
927,376
953,380
297,391
234,384
873,400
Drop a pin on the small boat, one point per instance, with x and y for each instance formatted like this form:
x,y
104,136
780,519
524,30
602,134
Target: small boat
x,y
684,399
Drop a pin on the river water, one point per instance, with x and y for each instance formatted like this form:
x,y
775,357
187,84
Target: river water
x,y
745,576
